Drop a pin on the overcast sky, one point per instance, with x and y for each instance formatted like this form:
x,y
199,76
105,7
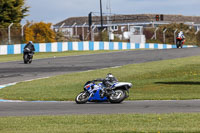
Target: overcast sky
x,y
55,11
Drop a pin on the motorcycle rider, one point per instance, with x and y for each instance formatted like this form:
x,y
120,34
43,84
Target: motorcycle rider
x,y
107,83
30,46
109,80
181,36
108,89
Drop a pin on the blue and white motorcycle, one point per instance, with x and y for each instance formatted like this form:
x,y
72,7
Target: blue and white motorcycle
x,y
99,92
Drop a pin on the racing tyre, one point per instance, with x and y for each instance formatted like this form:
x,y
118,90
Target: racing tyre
x,y
25,59
118,96
178,44
82,97
30,61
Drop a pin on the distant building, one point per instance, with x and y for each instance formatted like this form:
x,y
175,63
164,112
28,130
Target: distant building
x,y
78,26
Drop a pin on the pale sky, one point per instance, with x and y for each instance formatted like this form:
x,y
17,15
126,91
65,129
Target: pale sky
x,y
55,11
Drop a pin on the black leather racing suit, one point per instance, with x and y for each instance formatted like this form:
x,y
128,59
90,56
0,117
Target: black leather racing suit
x,y
30,46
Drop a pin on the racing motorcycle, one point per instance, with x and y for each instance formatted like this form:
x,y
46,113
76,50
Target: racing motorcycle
x,y
28,56
179,42
97,92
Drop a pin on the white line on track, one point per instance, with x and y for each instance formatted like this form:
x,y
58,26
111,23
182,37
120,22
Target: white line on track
x,y
6,85
10,84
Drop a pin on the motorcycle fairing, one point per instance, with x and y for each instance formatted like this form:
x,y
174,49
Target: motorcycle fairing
x,y
96,97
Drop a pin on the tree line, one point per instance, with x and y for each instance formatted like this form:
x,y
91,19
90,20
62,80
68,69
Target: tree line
x,y
13,11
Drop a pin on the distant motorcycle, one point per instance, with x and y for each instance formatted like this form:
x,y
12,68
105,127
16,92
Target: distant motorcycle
x,y
179,42
28,56
97,93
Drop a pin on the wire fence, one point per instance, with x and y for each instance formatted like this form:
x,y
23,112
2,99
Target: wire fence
x,y
166,36
16,36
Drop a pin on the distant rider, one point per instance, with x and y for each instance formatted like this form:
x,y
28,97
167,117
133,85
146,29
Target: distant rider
x,y
30,46
181,37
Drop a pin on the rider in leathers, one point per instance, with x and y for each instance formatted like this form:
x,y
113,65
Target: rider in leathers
x,y
30,46
181,35
107,82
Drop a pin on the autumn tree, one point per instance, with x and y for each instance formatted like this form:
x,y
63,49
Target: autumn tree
x,y
12,11
39,32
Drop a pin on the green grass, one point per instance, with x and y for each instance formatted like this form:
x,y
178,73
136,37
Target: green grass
x,y
115,123
175,79
17,57
160,80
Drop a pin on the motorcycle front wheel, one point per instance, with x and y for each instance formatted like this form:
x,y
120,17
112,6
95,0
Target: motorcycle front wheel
x,y
118,96
30,60
82,97
25,58
178,44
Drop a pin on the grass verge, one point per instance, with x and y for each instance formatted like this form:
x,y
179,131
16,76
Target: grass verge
x,y
175,79
115,123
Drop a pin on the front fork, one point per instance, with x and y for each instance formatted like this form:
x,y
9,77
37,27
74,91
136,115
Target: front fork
x,y
127,93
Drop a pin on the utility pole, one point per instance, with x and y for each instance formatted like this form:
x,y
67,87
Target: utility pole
x,y
108,7
101,15
90,25
101,20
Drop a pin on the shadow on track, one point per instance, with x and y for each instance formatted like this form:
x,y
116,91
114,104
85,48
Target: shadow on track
x,y
179,83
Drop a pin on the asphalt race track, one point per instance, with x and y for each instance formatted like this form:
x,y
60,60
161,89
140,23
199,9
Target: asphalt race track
x,y
17,71
63,108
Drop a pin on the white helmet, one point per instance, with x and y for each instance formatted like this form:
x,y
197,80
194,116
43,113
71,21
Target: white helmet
x,y
181,32
30,42
110,77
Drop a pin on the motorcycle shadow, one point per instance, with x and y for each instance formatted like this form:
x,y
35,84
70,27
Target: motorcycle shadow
x,y
24,63
104,103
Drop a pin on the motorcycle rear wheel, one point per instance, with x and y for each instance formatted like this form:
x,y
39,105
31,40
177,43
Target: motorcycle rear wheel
x,y
118,96
82,97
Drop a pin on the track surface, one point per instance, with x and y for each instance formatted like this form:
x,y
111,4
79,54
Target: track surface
x,y
17,71
61,108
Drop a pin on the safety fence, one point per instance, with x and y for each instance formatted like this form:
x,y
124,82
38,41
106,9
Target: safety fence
x,y
84,46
